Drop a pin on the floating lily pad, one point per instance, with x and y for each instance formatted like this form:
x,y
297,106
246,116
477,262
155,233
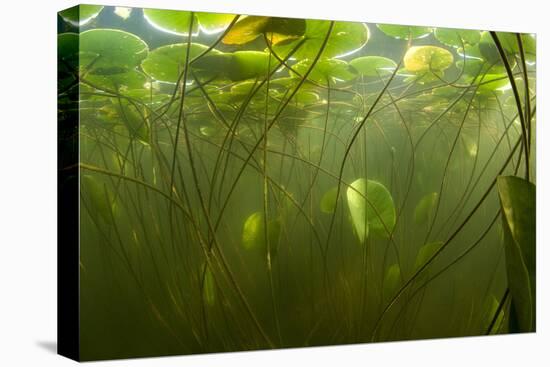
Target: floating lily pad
x,y
328,201
171,21
426,252
371,207
326,71
457,37
404,32
345,38
425,208
249,64
518,203
81,14
111,49
276,29
132,79
214,22
373,65
427,58
167,62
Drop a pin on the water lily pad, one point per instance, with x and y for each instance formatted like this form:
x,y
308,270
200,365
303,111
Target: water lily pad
x,y
131,79
253,236
518,203
214,22
392,280
249,64
457,37
371,207
100,198
327,71
404,31
81,14
373,65
427,58
426,252
345,38
425,208
111,49
328,201
167,62
209,288
171,21
276,29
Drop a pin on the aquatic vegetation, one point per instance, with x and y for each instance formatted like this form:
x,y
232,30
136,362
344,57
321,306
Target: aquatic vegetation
x,y
251,182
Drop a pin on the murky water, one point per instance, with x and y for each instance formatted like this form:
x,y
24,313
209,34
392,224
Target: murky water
x,y
288,183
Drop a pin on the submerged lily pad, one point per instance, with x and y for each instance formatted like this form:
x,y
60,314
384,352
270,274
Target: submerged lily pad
x,y
371,207
404,31
518,203
111,50
425,208
328,201
167,62
124,81
373,65
392,280
100,198
81,14
209,287
427,58
426,252
253,234
457,37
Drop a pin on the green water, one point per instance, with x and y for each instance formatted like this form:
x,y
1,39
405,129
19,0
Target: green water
x,y
289,183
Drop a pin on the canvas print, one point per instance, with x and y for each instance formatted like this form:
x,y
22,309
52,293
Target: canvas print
x,y
242,182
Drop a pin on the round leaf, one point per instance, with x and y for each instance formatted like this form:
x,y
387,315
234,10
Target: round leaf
x,y
427,58
404,31
171,21
81,14
371,208
373,65
111,50
457,37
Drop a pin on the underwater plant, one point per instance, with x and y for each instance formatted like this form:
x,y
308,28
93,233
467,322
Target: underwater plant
x,y
251,182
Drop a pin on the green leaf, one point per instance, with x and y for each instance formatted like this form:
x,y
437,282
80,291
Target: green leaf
x,y
214,22
121,82
99,198
167,62
457,37
371,208
327,71
518,204
426,252
373,65
171,21
111,51
425,208
129,115
420,59
276,29
209,287
345,38
248,65
392,280
403,31
253,236
328,201
81,14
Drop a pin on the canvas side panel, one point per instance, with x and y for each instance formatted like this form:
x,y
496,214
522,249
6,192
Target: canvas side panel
x,y
68,185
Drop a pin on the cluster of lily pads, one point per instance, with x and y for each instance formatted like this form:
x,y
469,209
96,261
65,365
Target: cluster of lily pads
x,y
258,72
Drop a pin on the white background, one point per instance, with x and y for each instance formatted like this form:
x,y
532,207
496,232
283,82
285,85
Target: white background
x,y
28,183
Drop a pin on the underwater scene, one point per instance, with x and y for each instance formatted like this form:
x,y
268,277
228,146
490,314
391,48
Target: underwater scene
x,y
255,182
